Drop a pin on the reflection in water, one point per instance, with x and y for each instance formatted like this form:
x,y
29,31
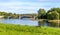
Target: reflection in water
x,y
42,23
19,21
50,24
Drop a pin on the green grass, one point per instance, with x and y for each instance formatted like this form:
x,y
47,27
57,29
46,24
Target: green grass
x,y
10,29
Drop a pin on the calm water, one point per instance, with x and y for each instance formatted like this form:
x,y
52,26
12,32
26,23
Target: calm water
x,y
19,21
27,22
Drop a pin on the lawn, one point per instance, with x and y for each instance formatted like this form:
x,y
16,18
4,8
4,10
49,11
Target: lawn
x,y
10,29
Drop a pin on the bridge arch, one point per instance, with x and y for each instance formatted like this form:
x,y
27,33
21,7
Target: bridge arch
x,y
25,17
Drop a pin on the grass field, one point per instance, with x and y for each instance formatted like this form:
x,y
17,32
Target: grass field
x,y
10,29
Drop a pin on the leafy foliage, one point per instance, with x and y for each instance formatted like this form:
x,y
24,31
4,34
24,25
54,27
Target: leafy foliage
x,y
6,15
56,13
41,13
53,15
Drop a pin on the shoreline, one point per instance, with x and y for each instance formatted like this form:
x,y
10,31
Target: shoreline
x,y
55,21
52,21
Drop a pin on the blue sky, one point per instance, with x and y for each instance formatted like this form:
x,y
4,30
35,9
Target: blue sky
x,y
27,6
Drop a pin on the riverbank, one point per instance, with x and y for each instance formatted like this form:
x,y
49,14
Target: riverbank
x,y
54,21
10,29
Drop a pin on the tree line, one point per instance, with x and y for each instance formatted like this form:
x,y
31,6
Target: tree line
x,y
11,15
52,14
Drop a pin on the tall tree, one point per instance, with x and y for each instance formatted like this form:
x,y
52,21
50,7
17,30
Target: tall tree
x,y
53,15
41,13
53,10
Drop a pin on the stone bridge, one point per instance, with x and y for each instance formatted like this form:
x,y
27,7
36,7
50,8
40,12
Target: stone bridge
x,y
27,16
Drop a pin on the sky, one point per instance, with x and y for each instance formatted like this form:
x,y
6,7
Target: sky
x,y
27,6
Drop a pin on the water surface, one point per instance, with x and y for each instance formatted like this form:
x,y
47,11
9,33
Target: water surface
x,y
19,21
26,21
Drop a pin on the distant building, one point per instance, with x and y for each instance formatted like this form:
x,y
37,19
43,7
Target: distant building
x,y
1,16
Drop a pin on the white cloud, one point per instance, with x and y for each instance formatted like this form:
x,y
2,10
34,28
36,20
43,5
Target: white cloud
x,y
24,7
18,7
51,1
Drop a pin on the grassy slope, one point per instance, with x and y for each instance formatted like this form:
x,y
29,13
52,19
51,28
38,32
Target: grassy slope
x,y
10,29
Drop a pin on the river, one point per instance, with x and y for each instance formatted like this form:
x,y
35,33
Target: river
x,y
27,22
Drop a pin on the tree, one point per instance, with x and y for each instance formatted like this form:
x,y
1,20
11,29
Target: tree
x,y
2,13
55,9
5,17
41,13
53,15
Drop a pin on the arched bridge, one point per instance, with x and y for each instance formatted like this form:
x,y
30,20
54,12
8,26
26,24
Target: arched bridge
x,y
27,16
